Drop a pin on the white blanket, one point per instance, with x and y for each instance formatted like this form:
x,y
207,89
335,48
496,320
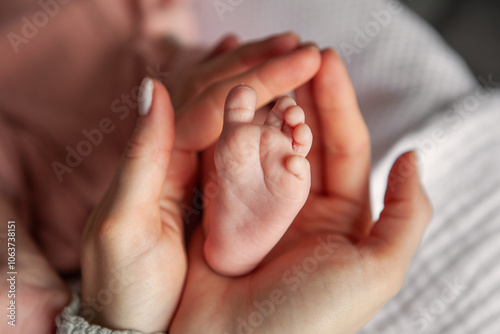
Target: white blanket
x,y
415,93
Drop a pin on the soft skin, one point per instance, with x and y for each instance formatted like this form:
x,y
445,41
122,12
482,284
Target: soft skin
x,y
263,180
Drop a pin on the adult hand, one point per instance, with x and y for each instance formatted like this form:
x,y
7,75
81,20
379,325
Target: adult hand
x,y
133,258
227,59
335,267
273,67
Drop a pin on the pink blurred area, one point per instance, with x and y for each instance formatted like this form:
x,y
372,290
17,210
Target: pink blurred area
x,y
64,67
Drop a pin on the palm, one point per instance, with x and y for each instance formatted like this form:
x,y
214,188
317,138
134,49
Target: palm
x,y
290,278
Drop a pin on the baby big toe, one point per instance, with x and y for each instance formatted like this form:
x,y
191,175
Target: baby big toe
x,y
240,105
294,116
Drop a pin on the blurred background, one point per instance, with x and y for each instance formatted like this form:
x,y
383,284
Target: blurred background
x,y
472,27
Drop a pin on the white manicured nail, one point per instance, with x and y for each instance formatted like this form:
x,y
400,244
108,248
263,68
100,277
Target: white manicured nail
x,y
145,96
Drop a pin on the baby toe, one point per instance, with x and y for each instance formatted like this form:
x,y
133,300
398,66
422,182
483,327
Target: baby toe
x,y
302,139
276,115
298,166
284,103
294,116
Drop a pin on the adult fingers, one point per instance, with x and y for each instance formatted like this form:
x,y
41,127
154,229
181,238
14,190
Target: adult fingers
x,y
243,58
229,60
228,43
401,226
199,123
345,138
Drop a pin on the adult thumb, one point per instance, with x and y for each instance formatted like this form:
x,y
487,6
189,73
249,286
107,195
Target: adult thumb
x,y
141,174
407,211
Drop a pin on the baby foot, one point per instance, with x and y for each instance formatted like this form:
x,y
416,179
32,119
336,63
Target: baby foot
x,y
263,181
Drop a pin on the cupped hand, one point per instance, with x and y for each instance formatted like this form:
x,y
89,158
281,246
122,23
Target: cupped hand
x,y
335,267
133,258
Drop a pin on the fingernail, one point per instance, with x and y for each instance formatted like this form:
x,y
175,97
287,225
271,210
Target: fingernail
x,y
145,96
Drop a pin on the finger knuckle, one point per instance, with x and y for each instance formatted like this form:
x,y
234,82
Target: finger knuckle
x,y
133,147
